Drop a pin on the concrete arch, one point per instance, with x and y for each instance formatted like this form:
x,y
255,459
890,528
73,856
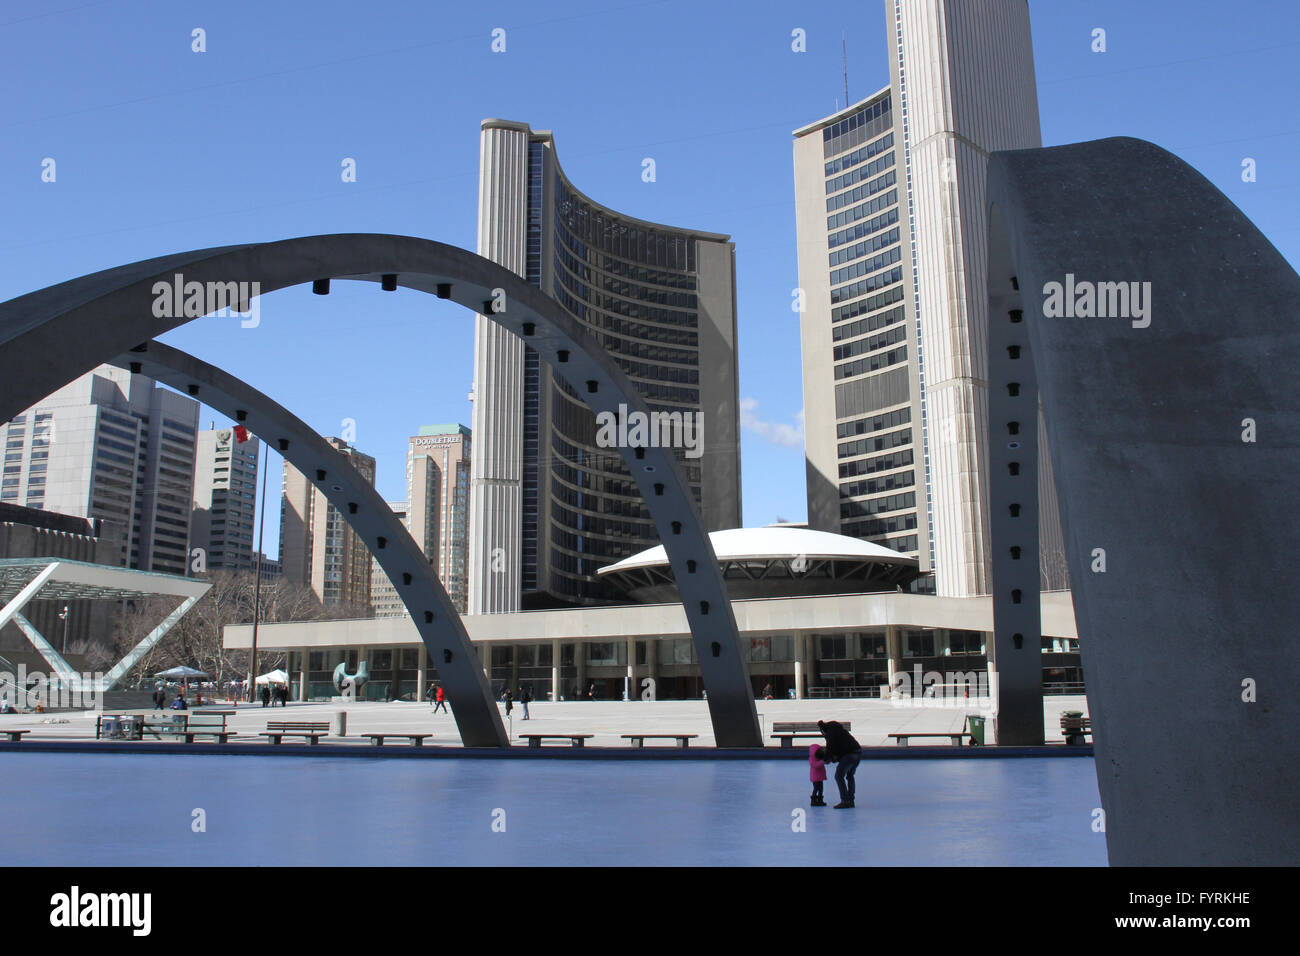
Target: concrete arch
x,y
49,337
1179,524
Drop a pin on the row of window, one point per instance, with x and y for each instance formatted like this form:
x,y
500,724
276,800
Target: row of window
x,y
870,324
867,265
855,176
872,363
863,446
869,284
858,156
875,506
874,526
862,211
862,192
867,466
871,343
874,423
873,486
886,219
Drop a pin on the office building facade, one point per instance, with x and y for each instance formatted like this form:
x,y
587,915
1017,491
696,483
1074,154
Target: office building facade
x,y
112,446
225,499
438,465
892,231
550,505
317,546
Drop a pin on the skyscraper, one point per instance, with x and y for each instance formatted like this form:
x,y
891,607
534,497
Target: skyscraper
x,y
110,445
549,505
317,546
384,599
892,225
225,498
438,483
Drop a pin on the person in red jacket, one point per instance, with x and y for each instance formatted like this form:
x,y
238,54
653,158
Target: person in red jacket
x,y
442,701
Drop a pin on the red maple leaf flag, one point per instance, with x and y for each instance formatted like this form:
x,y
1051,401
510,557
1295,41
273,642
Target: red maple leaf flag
x,y
241,434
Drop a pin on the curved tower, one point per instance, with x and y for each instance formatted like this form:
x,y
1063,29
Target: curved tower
x,y
551,503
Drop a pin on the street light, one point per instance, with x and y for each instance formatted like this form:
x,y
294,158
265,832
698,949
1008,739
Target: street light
x,y
63,616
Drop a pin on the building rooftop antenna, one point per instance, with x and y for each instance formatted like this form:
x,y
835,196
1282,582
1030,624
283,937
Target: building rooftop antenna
x,y
844,52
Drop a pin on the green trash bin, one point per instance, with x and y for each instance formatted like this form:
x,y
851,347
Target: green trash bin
x,y
976,730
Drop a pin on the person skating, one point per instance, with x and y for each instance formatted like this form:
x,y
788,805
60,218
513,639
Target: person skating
x,y
442,701
842,749
525,695
817,773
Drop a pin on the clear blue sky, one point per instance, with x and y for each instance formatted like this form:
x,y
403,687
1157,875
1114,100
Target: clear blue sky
x,y
160,149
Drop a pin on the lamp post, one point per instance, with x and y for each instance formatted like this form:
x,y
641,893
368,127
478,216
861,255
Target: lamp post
x,y
63,616
257,586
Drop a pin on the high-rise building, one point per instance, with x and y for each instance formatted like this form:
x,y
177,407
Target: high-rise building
x,y
384,598
318,548
549,504
892,227
110,445
225,499
437,484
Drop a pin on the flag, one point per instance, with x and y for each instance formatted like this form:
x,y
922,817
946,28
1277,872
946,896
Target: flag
x,y
241,434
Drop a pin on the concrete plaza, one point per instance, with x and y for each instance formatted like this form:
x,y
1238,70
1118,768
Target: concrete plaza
x,y
872,720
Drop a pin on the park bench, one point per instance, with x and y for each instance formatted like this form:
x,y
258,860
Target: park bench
x,y
211,723
788,731
1076,727
535,740
313,730
15,736
638,740
955,735
417,740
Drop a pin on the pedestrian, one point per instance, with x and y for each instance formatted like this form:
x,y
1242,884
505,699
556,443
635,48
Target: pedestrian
x,y
431,695
817,773
525,695
442,701
510,701
842,749
162,698
591,691
266,695
767,691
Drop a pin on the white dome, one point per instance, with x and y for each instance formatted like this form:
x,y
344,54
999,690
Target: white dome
x,y
780,542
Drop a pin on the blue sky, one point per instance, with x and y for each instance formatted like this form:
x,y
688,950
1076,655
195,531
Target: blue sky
x,y
160,149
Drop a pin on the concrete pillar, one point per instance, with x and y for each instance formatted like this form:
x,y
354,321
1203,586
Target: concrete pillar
x,y
800,655
652,665
304,666
421,672
811,659
514,667
580,662
555,670
631,668
894,652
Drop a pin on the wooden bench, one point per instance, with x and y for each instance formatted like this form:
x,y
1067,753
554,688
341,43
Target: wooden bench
x,y
417,740
638,740
161,727
788,731
535,740
956,736
1076,728
211,723
313,730
15,736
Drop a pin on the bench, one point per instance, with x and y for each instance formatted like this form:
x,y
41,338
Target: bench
x,y
638,740
1076,727
788,731
15,736
535,740
208,724
313,730
956,736
417,740
161,727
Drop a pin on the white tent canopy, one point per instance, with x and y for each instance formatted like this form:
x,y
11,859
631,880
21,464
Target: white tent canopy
x,y
274,677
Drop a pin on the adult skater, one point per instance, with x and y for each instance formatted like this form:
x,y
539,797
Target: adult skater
x,y
846,753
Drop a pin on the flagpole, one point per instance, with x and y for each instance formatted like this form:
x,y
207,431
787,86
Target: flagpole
x,y
257,587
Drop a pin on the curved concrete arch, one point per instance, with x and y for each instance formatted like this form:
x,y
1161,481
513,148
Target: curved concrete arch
x,y
1172,438
49,337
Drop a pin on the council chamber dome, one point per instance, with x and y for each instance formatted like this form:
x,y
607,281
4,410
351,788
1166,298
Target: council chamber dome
x,y
773,561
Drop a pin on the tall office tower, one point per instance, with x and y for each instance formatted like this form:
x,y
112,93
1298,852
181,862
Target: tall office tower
x,y
890,206
110,445
317,546
225,499
384,598
548,504
439,492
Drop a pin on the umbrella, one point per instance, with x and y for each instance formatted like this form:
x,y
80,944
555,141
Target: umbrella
x,y
181,673
274,677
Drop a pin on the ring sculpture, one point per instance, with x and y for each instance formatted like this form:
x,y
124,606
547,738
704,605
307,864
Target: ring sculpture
x,y
1172,415
49,337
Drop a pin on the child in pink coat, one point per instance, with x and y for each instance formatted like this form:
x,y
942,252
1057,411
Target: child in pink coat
x,y
817,773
